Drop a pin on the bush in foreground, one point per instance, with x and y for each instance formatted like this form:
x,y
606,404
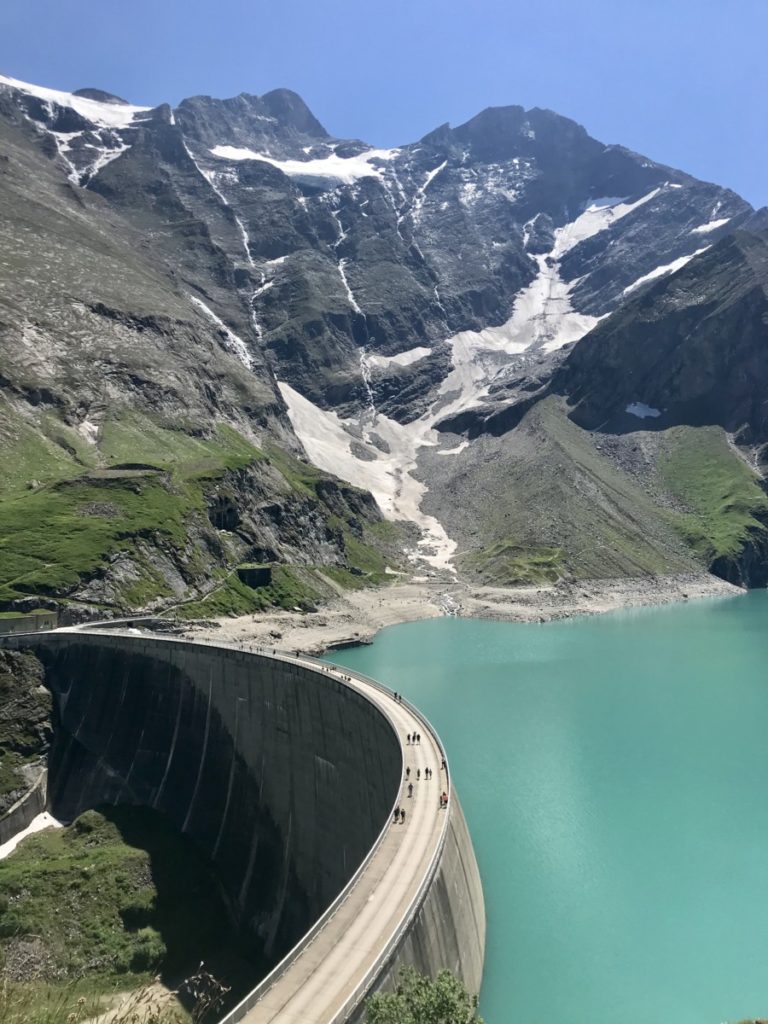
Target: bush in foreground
x,y
421,1000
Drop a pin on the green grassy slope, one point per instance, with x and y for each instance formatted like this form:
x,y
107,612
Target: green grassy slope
x,y
66,528
543,501
550,500
70,508
109,902
727,508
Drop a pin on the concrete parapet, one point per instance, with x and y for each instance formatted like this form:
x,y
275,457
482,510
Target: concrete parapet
x,y
21,814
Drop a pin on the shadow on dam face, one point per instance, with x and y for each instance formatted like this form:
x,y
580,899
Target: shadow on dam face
x,y
282,777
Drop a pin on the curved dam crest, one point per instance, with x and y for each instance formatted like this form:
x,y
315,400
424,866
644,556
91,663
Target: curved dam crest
x,y
286,775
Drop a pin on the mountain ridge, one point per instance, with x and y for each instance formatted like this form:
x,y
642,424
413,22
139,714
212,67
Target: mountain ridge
x,y
357,304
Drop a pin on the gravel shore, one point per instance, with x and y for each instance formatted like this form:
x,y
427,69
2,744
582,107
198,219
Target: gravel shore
x,y
356,616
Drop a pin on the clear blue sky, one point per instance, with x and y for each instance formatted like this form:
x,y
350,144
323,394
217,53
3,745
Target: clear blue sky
x,y
682,81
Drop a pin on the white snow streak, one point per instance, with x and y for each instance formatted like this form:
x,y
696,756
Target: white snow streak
x,y
542,316
713,225
89,431
348,290
668,268
38,823
346,169
599,215
264,287
234,344
336,214
418,196
106,157
210,177
455,451
365,373
401,359
101,155
62,140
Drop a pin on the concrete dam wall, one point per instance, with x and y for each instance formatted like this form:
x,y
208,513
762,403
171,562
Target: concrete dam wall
x,y
286,775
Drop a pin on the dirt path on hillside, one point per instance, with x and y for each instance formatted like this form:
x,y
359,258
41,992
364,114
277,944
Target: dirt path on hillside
x,y
356,616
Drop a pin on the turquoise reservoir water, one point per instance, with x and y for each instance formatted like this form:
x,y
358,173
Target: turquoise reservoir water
x,y
614,773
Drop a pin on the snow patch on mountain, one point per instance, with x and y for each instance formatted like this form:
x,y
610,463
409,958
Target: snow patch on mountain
x,y
418,198
597,216
345,169
106,115
543,316
327,440
668,268
40,822
455,451
713,225
642,411
401,359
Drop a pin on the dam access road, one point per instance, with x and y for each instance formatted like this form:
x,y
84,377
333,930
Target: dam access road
x,y
411,896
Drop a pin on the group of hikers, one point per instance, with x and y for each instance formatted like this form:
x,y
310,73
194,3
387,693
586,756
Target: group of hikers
x,y
413,739
398,814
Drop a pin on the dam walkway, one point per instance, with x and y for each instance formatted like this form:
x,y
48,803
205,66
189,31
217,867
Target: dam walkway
x,y
324,979
329,975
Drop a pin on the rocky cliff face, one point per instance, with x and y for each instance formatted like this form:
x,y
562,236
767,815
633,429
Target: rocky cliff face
x,y
25,725
230,262
669,390
318,252
691,349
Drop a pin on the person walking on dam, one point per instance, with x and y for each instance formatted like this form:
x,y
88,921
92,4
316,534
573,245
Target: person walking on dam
x,y
397,815
408,773
410,789
402,815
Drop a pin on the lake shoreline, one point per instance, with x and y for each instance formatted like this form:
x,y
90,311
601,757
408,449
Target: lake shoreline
x,y
355,617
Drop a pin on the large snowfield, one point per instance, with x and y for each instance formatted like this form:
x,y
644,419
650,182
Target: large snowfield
x,y
542,318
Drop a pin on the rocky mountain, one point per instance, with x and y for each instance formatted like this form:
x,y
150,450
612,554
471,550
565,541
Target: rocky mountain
x,y
670,392
663,357
224,285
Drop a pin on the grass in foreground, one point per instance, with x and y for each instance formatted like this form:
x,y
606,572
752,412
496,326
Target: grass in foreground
x,y
104,905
